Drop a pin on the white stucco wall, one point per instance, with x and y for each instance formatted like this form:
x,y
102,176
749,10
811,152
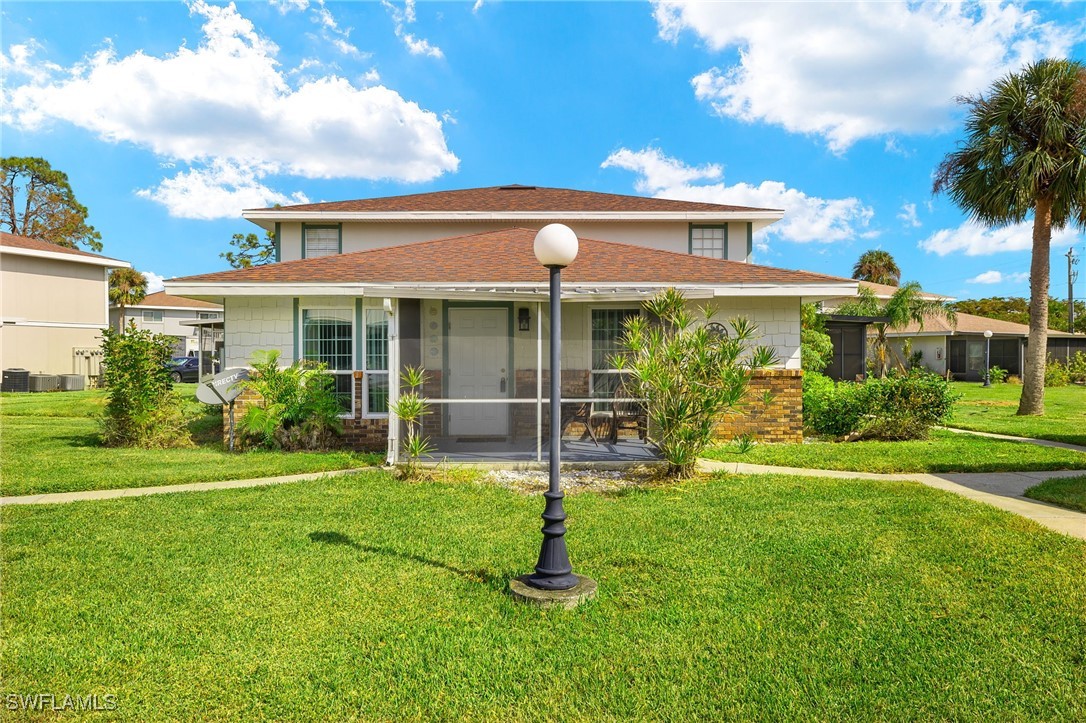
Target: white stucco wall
x,y
935,350
668,236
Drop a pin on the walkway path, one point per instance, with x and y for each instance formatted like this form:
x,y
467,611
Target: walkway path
x,y
60,497
999,489
1027,440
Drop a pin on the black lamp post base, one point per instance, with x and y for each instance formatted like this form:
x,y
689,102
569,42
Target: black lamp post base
x,y
552,582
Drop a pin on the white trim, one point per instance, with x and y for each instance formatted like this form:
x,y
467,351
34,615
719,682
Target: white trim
x,y
61,256
53,324
393,379
369,305
194,309
760,218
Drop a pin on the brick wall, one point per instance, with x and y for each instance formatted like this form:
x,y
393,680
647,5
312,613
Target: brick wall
x,y
781,421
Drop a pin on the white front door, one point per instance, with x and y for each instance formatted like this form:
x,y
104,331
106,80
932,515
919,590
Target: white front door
x,y
478,369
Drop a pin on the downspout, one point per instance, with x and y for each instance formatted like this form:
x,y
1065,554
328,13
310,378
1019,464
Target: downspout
x,y
392,307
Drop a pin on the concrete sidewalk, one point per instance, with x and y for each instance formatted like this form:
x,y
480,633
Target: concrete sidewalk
x,y
999,489
1012,438
62,497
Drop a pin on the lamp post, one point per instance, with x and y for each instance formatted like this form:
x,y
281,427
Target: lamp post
x,y
987,357
555,248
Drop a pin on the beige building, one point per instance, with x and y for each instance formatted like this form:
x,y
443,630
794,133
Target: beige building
x,y
174,316
53,304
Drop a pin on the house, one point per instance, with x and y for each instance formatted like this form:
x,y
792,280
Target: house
x,y
55,302
448,281
958,347
175,316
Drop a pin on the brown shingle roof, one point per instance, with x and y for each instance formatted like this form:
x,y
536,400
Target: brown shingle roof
x,y
885,291
507,256
34,244
513,199
968,324
161,298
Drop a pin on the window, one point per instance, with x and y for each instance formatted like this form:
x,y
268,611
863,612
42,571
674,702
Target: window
x,y
155,316
709,241
608,326
328,338
376,375
207,315
320,241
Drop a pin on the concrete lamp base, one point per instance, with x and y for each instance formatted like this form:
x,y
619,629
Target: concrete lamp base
x,y
585,589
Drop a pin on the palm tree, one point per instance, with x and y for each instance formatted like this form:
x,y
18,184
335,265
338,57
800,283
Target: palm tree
x,y
878,267
907,305
1025,152
127,287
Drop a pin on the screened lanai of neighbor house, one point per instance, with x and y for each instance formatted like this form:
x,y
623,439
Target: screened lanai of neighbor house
x,y
472,312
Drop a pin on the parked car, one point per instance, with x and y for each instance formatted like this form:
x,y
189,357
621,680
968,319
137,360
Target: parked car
x,y
187,368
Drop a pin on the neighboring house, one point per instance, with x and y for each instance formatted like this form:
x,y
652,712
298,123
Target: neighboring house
x,y
164,313
55,303
449,281
849,333
958,348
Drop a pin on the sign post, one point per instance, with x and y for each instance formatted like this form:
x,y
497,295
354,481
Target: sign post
x,y
224,388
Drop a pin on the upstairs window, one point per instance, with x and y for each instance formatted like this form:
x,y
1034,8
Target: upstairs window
x,y
208,315
153,316
320,241
711,241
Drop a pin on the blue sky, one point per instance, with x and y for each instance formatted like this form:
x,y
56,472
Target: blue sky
x,y
170,117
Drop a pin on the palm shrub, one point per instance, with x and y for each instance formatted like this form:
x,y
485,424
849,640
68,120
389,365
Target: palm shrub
x,y
142,410
297,407
688,374
410,408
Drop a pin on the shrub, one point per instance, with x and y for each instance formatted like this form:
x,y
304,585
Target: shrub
x,y
1014,380
298,408
898,406
816,347
410,408
997,375
142,410
688,374
1076,368
1056,374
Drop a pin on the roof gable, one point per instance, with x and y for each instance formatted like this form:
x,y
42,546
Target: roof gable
x,y
507,256
38,246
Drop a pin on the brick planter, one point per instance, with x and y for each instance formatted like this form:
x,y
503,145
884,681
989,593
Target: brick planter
x,y
781,421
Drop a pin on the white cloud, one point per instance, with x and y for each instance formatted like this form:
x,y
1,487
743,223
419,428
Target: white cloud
x,y
226,103
477,6
286,6
402,17
907,216
19,61
806,218
998,277
220,191
973,239
154,281
847,71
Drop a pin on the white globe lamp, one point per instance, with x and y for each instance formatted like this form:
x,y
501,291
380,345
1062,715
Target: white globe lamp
x,y
556,245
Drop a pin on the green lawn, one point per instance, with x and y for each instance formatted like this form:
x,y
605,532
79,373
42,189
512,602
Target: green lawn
x,y
993,410
762,597
943,452
50,444
1067,492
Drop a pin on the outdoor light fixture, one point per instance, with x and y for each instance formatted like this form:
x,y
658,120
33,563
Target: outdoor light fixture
x,y
555,247
523,320
987,358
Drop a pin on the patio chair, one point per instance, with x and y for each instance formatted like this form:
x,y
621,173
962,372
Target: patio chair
x,y
580,413
628,415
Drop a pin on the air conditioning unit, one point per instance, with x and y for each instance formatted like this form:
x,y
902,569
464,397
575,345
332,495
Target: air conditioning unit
x,y
15,380
44,382
72,382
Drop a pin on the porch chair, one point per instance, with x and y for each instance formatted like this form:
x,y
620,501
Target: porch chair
x,y
628,415
580,413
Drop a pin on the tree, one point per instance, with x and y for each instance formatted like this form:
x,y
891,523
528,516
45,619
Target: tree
x,y
815,345
1025,153
250,250
1016,309
127,287
905,306
36,201
878,267
688,374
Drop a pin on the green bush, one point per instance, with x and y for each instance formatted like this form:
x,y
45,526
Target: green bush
x,y
142,410
1076,368
997,375
899,406
297,409
1056,374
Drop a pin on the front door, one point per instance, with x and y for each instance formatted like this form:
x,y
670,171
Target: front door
x,y
478,369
